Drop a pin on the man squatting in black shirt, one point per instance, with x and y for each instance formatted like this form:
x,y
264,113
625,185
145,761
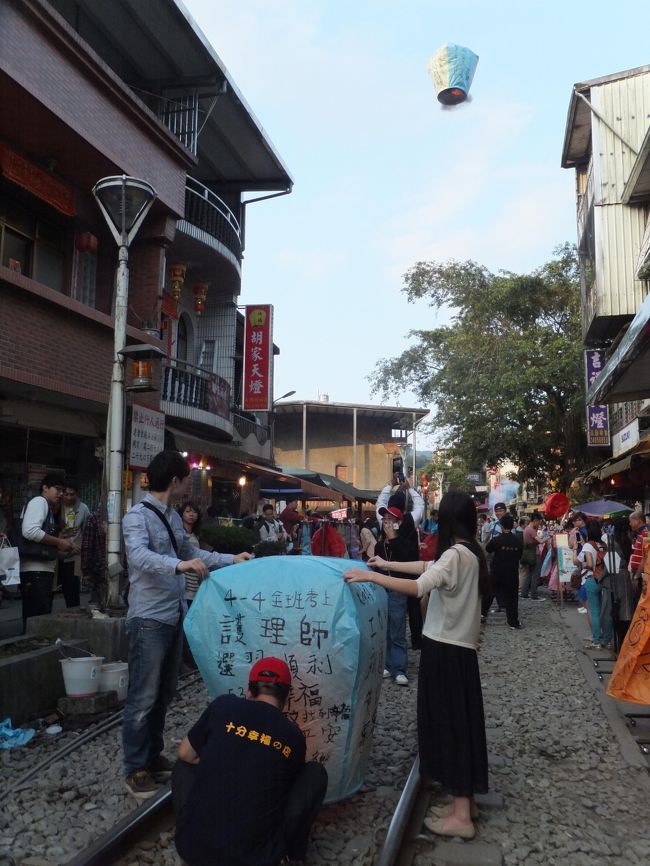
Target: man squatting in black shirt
x,y
243,794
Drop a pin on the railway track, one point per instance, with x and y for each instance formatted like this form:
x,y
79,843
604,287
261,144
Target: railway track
x,y
398,849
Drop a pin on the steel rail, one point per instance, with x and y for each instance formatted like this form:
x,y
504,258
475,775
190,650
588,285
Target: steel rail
x,y
119,833
400,820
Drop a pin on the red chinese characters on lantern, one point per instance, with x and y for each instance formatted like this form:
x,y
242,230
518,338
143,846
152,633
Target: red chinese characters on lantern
x,y
258,357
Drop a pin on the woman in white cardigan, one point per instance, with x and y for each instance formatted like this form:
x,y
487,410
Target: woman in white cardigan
x,y
451,722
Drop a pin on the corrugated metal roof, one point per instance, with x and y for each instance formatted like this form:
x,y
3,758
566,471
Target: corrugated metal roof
x,y
577,136
398,413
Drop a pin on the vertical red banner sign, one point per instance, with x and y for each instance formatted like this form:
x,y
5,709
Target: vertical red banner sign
x,y
258,357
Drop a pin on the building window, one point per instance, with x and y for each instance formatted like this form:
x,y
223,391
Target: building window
x,y
182,338
31,245
85,277
341,472
206,361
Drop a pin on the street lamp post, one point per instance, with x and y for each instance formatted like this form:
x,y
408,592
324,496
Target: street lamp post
x,y
124,202
272,422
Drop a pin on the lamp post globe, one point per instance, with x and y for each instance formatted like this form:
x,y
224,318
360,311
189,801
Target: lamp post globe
x,y
124,202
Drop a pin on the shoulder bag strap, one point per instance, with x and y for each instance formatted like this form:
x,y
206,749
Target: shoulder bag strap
x,y
165,522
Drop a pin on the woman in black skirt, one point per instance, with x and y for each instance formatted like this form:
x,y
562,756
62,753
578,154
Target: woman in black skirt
x,y
451,723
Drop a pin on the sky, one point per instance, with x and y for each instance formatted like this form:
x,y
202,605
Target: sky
x,y
385,177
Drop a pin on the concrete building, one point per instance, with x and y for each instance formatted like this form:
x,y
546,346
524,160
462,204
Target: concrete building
x,y
607,142
358,444
93,88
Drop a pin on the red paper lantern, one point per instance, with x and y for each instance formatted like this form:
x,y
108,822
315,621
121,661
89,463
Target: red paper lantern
x,y
86,242
200,294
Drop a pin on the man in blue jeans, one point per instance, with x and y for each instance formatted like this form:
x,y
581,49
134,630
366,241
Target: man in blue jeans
x,y
159,555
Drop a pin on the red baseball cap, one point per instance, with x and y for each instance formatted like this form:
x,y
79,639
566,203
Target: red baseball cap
x,y
270,670
395,512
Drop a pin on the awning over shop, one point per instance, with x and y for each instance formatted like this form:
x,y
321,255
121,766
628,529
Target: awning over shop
x,y
271,480
334,484
619,464
626,375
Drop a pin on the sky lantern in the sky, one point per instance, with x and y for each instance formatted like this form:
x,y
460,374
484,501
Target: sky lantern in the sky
x,y
452,69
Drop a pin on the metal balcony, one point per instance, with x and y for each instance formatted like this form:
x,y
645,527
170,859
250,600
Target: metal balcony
x,y
194,394
207,212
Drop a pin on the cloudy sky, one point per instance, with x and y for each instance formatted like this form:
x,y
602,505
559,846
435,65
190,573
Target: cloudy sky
x,y
384,177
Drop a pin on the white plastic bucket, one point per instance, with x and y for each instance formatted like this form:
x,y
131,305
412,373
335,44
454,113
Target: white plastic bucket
x,y
114,677
81,676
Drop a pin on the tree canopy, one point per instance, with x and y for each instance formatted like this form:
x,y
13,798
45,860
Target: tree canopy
x,y
505,376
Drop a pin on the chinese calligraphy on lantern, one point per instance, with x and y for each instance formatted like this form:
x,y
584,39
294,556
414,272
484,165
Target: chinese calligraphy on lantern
x,y
331,635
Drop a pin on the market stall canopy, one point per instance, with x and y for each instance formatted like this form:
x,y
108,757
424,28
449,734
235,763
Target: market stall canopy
x,y
271,480
334,484
603,509
612,465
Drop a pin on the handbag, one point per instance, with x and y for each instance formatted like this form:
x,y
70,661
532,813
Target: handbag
x,y
9,563
575,581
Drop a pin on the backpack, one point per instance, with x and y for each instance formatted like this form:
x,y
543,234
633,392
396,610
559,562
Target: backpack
x,y
600,566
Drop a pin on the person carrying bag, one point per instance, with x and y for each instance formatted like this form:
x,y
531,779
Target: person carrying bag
x,y
39,544
9,563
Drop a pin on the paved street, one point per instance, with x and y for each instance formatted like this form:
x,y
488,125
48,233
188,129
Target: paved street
x,y
11,613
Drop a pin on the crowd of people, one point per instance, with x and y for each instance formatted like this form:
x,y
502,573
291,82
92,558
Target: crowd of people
x,y
606,556
442,573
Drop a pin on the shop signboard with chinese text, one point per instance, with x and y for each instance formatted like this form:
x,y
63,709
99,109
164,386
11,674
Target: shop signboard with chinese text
x,y
598,426
330,633
147,435
626,438
594,363
258,358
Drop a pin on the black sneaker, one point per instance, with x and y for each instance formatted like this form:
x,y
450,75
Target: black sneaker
x,y
516,627
141,785
161,768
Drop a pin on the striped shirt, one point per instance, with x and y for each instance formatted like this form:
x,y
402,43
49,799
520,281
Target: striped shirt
x,y
637,551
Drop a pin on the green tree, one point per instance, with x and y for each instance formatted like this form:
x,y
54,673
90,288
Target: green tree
x,y
505,376
453,470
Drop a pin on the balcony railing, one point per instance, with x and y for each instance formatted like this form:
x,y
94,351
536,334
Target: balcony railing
x,y
208,212
185,384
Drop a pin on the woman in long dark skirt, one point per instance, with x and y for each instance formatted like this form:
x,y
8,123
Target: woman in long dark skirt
x,y
451,723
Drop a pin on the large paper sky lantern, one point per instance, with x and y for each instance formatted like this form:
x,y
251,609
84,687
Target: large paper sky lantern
x,y
452,69
331,634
